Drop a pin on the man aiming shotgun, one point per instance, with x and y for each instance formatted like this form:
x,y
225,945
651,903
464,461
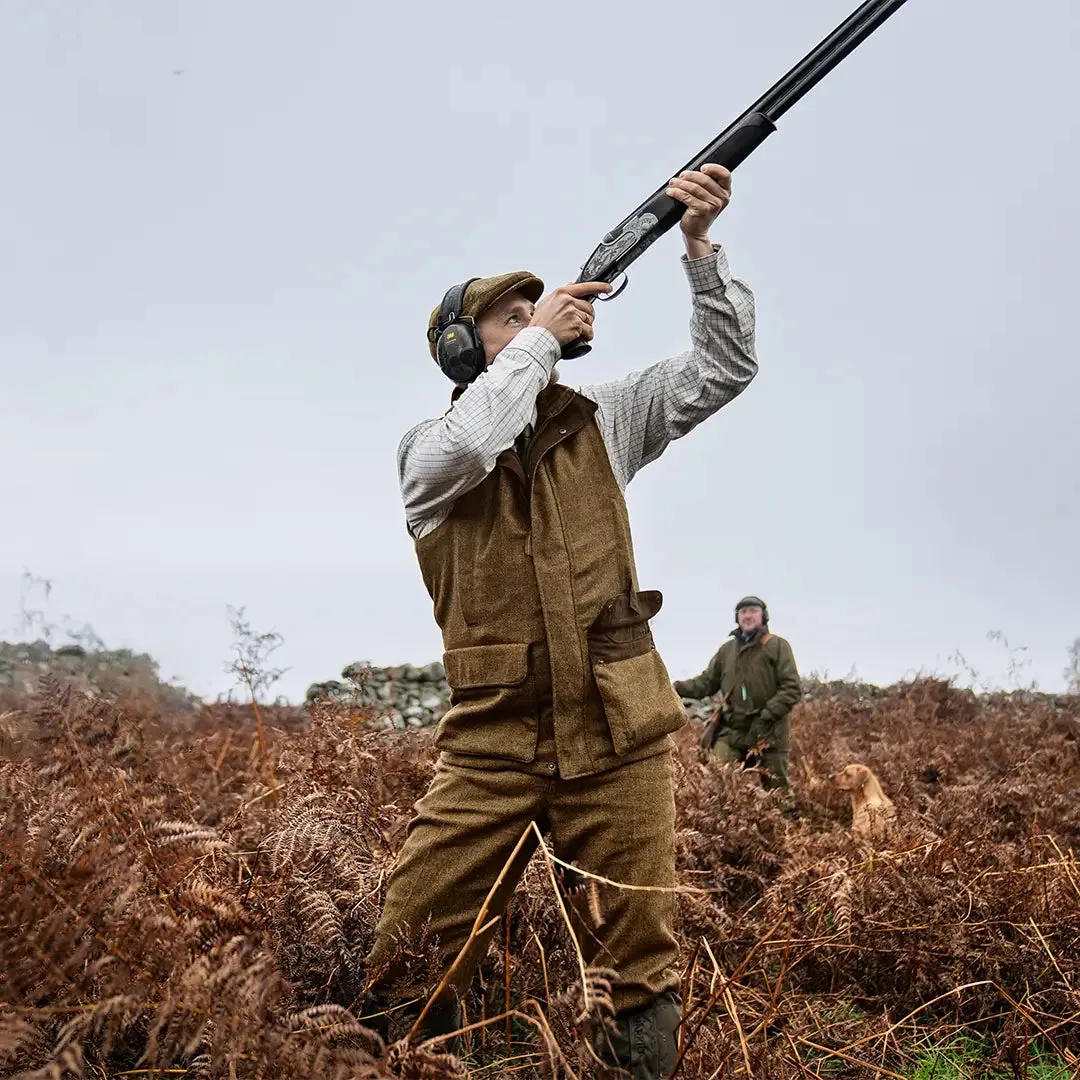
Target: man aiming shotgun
x,y
561,707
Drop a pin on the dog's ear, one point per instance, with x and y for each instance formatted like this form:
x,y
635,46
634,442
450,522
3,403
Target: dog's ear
x,y
860,774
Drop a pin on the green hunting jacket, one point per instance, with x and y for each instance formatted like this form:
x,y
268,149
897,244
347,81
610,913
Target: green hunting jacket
x,y
759,677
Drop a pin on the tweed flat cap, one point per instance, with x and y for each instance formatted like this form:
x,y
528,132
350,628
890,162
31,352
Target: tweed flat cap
x,y
484,292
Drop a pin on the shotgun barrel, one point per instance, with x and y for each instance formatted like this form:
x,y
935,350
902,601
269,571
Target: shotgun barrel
x,y
659,212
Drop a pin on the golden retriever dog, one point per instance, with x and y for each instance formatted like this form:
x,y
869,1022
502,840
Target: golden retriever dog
x,y
872,811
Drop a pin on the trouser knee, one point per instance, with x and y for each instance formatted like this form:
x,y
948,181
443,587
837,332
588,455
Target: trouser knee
x,y
644,1042
726,753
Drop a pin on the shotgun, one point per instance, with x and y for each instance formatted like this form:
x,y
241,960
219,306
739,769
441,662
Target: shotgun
x,y
659,212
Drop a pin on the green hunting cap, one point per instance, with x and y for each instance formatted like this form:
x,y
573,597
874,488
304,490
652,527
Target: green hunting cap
x,y
752,601
483,292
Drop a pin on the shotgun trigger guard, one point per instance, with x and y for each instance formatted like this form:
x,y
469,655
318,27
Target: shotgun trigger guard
x,y
611,295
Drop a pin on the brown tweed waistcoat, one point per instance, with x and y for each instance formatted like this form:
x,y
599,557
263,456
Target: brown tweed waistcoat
x,y
548,650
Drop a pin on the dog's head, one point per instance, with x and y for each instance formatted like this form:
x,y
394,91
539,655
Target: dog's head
x,y
851,778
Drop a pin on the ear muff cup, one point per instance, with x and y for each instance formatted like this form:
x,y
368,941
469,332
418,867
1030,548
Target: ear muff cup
x,y
458,349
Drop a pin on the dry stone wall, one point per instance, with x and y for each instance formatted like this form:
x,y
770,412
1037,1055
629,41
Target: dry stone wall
x,y
400,697
97,672
405,696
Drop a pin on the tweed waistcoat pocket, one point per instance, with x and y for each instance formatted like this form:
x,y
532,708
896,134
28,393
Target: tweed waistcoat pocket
x,y
639,701
493,703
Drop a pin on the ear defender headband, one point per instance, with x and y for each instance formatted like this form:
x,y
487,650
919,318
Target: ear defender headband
x,y
458,349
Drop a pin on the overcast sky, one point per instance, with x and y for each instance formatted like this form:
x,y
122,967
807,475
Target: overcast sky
x,y
224,223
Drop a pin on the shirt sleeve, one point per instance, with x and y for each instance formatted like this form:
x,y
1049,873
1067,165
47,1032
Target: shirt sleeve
x,y
645,411
439,460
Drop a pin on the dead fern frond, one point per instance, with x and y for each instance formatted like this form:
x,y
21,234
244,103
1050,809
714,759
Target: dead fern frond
x,y
595,913
590,1002
201,838
411,1062
325,926
329,1020
17,1034
310,833
840,888
160,914
201,895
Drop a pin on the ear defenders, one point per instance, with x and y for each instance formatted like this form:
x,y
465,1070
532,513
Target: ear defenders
x,y
458,349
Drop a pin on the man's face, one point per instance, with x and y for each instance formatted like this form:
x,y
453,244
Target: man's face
x,y
500,323
750,618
